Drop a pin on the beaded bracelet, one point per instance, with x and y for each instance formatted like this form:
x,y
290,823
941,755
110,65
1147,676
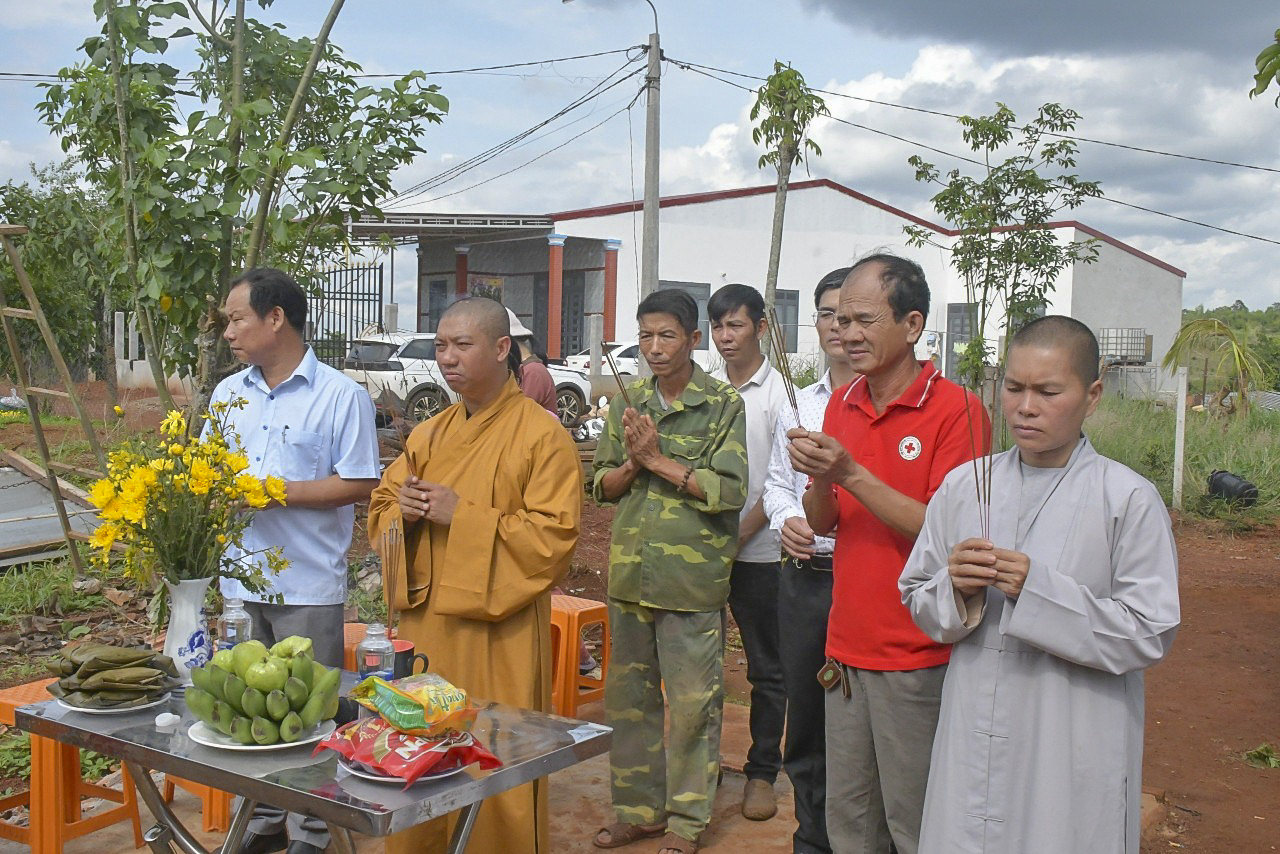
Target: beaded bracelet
x,y
684,482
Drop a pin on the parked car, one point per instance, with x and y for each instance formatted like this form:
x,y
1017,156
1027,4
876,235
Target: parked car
x,y
405,364
625,356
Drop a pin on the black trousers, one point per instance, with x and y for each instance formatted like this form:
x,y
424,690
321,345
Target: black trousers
x,y
804,601
753,598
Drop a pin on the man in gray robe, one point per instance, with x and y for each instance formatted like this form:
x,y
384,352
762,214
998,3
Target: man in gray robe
x,y
1054,616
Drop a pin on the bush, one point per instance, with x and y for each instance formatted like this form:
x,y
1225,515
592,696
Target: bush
x,y
1140,435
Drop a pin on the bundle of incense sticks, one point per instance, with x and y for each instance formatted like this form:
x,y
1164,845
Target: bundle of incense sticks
x,y
613,366
391,546
778,344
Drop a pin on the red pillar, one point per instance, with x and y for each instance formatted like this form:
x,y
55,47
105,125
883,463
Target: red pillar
x,y
460,270
555,292
611,248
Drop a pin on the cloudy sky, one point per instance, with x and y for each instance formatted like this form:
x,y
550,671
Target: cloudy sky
x,y
1170,75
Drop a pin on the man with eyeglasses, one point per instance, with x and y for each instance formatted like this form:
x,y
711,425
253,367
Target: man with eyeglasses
x,y
886,443
804,586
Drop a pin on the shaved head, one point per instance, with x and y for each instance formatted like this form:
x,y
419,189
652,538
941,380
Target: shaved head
x,y
488,315
1056,331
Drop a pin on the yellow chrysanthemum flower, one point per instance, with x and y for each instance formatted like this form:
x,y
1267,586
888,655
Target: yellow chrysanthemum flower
x,y
119,410
201,477
104,536
102,493
174,424
176,449
275,488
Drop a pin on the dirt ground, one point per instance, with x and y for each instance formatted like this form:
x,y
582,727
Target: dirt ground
x,y
1217,696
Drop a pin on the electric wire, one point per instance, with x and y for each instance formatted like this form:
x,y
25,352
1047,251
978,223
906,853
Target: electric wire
x,y
692,66
954,156
427,185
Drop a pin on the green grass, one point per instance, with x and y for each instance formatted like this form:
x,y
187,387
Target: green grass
x,y
42,588
1140,435
15,758
370,607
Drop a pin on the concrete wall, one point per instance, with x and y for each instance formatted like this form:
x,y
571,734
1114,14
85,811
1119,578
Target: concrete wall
x,y
727,240
1121,290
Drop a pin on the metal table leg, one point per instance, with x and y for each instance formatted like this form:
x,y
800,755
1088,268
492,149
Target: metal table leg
x,y
170,831
340,839
462,830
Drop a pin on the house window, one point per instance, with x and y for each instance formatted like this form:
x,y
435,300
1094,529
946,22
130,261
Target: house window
x,y
701,292
787,305
962,322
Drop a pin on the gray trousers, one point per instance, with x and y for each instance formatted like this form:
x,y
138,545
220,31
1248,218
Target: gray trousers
x,y
323,624
878,743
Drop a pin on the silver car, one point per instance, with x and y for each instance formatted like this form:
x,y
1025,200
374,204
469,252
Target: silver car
x,y
404,363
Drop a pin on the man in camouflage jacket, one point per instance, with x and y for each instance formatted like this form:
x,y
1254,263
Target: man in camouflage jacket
x,y
675,461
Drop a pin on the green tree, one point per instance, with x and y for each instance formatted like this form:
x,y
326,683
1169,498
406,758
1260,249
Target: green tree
x,y
1268,66
788,107
76,285
285,144
1005,254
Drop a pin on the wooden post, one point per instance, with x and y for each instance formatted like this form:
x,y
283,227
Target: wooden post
x,y
1180,438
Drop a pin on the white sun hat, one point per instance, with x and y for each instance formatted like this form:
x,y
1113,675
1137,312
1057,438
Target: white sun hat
x,y
518,329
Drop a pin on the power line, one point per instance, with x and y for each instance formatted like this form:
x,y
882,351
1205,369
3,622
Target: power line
x,y
693,66
37,77
917,144
552,150
429,184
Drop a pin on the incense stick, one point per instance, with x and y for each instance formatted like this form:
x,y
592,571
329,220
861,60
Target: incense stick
x,y
391,550
779,346
616,376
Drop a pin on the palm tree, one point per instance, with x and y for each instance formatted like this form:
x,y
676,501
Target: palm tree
x,y
1235,358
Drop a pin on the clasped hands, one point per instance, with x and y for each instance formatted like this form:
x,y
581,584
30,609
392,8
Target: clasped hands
x,y
976,563
640,438
434,502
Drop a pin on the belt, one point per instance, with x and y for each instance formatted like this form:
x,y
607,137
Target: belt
x,y
818,562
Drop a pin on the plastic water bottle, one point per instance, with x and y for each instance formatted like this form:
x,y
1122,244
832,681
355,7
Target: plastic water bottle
x,y
234,625
375,656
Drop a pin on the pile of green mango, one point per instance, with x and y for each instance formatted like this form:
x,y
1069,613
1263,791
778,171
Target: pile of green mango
x,y
101,676
264,696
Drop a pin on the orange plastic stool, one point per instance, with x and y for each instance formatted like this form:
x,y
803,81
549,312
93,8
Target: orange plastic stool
x,y
57,787
569,616
352,634
215,812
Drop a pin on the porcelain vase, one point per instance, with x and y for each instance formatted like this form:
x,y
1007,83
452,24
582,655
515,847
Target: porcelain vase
x,y
187,640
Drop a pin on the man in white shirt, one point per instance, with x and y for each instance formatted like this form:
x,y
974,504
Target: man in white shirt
x,y
737,326
305,422
804,586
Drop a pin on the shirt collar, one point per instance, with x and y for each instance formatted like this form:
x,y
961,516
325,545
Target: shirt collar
x,y
306,370
694,394
914,397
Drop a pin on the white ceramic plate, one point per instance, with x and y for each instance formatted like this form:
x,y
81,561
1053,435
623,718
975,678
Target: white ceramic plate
x,y
163,698
387,778
202,733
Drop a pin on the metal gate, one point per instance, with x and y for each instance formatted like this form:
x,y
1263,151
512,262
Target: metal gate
x,y
350,303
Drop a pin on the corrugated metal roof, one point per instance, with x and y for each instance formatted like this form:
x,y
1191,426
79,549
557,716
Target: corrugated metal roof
x,y
29,528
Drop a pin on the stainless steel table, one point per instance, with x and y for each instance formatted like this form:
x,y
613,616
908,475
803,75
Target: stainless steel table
x,y
530,745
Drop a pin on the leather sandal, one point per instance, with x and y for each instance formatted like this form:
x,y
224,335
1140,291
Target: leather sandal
x,y
621,834
676,842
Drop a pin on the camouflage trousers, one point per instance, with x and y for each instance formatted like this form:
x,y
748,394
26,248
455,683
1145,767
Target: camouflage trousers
x,y
684,651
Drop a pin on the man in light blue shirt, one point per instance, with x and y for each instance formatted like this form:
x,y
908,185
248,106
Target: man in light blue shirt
x,y
313,427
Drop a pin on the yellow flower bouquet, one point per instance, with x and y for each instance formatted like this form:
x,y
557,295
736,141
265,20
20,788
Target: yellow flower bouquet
x,y
177,504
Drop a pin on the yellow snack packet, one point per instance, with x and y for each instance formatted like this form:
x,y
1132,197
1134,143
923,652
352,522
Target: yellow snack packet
x,y
422,704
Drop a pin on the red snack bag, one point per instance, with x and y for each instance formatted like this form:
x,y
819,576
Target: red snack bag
x,y
378,746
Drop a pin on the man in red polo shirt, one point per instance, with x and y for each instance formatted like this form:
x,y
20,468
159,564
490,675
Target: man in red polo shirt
x,y
887,442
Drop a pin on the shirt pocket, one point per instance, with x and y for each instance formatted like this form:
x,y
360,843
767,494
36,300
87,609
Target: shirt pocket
x,y
690,450
300,455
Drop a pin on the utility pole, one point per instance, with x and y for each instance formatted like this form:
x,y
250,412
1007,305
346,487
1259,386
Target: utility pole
x,y
652,146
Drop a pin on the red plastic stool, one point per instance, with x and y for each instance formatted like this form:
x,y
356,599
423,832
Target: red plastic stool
x,y
57,787
215,812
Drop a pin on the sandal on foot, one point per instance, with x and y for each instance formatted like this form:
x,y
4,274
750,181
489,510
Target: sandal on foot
x,y
621,834
675,842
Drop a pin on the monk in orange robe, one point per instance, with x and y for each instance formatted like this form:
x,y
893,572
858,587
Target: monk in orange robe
x,y
489,496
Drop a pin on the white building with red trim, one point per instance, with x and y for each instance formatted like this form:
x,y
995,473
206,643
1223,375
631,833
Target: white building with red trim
x,y
555,270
